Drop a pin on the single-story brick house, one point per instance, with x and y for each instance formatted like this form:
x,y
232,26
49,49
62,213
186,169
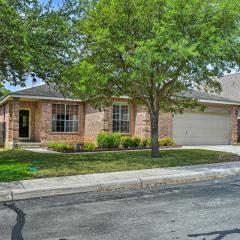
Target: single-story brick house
x,y
41,114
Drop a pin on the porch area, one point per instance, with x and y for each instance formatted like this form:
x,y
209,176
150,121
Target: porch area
x,y
23,122
31,122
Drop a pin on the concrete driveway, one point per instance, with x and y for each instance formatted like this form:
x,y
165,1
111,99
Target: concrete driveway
x,y
224,148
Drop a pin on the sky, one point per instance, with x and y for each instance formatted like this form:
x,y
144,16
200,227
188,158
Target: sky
x,y
29,82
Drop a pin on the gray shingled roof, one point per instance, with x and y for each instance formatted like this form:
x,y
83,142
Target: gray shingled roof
x,y
49,92
40,91
207,96
231,86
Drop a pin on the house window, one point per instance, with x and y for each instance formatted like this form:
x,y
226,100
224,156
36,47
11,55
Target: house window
x,y
64,118
121,118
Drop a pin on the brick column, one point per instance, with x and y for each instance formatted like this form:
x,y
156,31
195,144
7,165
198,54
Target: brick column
x,y
107,119
142,122
234,114
15,121
46,117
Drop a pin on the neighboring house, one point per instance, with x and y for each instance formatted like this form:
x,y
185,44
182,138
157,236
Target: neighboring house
x,y
42,115
231,89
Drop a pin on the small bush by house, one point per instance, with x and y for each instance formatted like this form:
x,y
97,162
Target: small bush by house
x,y
61,146
109,140
146,142
89,147
136,142
126,142
167,141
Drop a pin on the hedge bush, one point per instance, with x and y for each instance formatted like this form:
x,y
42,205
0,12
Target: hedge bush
x,y
61,146
146,142
89,147
136,142
167,141
109,140
126,142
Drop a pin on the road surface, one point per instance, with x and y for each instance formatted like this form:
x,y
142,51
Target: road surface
x,y
199,211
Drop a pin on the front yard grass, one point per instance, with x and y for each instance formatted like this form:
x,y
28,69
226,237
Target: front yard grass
x,y
20,164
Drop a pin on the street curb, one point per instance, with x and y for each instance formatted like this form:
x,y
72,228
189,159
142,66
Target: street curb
x,y
130,183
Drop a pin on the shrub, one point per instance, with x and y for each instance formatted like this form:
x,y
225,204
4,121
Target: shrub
x,y
109,140
61,146
116,139
89,147
136,142
146,142
126,142
167,141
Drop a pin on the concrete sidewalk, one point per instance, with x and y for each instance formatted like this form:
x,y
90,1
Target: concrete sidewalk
x,y
110,181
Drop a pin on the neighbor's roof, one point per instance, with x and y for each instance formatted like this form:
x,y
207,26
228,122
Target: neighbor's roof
x,y
207,96
47,92
231,86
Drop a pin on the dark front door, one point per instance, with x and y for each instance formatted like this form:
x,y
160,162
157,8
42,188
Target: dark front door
x,y
24,123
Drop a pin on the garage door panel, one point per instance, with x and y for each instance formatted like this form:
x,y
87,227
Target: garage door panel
x,y
202,128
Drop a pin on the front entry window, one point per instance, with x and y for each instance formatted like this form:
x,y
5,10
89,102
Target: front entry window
x,y
121,117
64,118
24,123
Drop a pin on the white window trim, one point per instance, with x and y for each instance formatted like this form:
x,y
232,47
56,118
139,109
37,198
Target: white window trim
x,y
65,121
129,114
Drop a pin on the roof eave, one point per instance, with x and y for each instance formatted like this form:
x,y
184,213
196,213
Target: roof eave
x,y
219,102
37,97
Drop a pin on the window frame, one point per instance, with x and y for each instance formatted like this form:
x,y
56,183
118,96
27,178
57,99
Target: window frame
x,y
65,120
120,121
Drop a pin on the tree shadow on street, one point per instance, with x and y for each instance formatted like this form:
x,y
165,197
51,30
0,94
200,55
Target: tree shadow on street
x,y
17,229
221,234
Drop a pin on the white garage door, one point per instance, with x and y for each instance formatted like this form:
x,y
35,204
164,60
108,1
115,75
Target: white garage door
x,y
202,128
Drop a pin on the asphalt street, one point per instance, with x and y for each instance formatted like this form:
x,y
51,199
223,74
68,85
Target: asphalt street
x,y
200,211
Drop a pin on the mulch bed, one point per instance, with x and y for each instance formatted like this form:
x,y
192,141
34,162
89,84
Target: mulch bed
x,y
111,149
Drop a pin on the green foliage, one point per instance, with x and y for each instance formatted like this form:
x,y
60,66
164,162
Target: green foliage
x,y
60,146
3,91
109,140
146,142
167,141
153,51
35,39
126,142
89,147
136,142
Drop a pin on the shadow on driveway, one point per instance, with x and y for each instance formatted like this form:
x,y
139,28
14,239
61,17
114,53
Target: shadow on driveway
x,y
221,234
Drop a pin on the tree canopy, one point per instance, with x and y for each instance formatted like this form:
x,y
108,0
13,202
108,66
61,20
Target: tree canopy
x,y
152,51
35,39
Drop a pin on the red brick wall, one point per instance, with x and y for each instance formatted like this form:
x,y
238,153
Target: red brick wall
x,y
4,117
165,125
234,112
142,123
94,123
91,122
45,129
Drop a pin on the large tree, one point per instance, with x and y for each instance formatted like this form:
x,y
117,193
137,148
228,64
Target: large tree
x,y
35,39
152,51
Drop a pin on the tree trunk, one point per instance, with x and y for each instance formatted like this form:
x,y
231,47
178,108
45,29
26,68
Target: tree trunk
x,y
154,133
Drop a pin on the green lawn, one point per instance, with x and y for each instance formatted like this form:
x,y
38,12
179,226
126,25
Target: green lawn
x,y
19,164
